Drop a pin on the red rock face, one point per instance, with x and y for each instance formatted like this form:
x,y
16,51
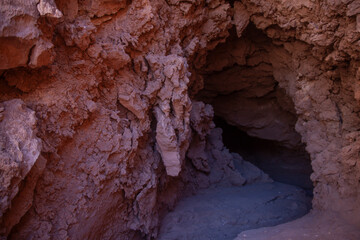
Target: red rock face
x,y
110,86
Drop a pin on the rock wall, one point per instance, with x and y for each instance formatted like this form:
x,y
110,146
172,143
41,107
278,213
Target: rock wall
x,y
108,82
111,83
312,54
20,161
315,56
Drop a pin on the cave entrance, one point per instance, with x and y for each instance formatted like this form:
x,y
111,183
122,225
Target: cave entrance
x,y
256,115
258,119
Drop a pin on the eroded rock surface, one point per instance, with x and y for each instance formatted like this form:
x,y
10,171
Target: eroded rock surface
x,y
316,60
22,42
20,161
112,106
313,54
112,85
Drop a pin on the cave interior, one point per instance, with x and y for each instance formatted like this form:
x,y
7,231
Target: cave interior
x,y
255,114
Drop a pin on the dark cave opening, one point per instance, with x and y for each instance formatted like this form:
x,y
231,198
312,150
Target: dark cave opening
x,y
290,166
256,114
257,118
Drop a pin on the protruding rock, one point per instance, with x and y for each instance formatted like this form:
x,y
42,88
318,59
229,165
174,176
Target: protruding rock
x,y
48,8
19,150
167,143
42,54
241,18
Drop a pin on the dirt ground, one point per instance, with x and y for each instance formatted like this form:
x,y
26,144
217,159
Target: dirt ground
x,y
221,213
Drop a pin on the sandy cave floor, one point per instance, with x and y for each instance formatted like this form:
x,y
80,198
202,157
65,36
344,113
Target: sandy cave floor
x,y
221,213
